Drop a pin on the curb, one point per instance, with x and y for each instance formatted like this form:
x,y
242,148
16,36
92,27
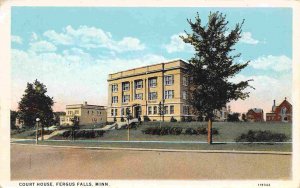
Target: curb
x,y
163,150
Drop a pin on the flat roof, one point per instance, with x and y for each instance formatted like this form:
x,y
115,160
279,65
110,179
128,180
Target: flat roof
x,y
166,62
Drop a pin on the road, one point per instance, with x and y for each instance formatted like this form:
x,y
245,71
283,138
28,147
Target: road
x,y
29,162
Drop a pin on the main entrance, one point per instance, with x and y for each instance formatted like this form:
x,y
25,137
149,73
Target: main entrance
x,y
137,110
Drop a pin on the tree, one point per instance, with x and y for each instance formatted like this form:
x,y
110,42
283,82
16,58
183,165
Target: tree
x,y
233,117
36,104
244,117
13,116
213,64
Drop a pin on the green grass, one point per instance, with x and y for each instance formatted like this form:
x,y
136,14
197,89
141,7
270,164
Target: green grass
x,y
228,131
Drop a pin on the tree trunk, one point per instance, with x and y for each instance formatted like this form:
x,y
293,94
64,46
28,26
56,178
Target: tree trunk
x,y
209,131
42,132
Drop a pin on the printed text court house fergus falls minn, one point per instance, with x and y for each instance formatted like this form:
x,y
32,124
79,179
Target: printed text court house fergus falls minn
x,y
142,89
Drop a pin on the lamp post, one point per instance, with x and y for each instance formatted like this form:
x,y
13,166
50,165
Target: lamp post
x,y
37,128
128,118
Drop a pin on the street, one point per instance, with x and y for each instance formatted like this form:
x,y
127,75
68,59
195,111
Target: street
x,y
30,162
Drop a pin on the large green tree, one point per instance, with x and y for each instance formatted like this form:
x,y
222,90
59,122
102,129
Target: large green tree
x,y
36,104
214,64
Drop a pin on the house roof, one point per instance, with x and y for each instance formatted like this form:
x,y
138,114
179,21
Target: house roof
x,y
256,110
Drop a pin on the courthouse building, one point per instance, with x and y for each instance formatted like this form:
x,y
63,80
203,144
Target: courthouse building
x,y
87,114
140,90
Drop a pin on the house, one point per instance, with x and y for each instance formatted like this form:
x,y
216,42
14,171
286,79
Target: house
x,y
141,90
281,113
255,115
222,114
87,114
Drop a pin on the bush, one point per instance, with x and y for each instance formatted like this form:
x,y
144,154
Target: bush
x,y
84,134
261,136
146,119
173,119
163,130
183,119
200,130
189,119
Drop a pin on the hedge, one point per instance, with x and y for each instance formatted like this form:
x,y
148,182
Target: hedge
x,y
261,136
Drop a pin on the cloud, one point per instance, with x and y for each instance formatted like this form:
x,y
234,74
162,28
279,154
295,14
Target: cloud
x,y
74,73
42,46
92,37
267,88
247,38
276,63
16,39
176,44
34,37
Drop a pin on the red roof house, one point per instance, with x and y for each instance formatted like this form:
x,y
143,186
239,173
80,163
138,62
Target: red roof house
x,y
255,115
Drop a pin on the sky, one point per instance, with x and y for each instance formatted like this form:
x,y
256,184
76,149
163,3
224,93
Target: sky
x,y
72,50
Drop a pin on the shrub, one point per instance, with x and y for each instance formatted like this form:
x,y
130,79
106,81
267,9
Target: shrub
x,y
183,119
189,119
84,134
261,136
173,119
200,130
146,119
163,130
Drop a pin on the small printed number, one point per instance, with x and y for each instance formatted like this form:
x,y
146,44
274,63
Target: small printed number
x,y
264,185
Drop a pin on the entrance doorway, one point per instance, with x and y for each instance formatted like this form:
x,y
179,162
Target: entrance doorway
x,y
137,111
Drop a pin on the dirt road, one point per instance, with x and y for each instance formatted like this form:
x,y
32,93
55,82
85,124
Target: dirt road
x,y
31,162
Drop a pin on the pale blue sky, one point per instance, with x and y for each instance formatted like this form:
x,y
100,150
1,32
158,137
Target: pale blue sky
x,y
75,48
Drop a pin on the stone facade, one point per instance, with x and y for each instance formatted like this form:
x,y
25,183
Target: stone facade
x,y
88,114
140,91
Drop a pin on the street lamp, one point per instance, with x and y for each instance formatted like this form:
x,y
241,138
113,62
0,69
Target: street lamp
x,y
37,128
128,118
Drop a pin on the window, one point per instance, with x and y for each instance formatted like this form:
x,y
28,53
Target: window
x,y
92,112
126,98
169,94
171,109
112,112
122,111
126,86
76,111
149,109
166,109
184,94
114,88
155,110
186,110
139,96
138,84
70,113
116,112
127,110
169,80
152,82
114,99
152,95
185,81
88,112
